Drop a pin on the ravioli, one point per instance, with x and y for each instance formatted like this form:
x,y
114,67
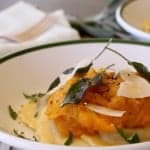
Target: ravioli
x,y
45,129
90,128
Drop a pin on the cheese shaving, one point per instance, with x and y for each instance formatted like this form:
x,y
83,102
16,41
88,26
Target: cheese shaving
x,y
105,111
133,86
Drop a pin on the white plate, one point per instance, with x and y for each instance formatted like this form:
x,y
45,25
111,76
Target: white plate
x,y
32,70
131,15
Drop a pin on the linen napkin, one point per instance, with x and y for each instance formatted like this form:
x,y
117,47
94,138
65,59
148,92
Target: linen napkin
x,y
27,23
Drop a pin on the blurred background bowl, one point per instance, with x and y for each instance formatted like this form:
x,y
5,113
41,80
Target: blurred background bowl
x,y
133,15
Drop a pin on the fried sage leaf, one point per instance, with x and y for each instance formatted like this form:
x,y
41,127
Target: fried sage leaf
x,y
34,97
131,139
69,139
12,113
54,84
76,92
68,71
78,89
57,81
141,69
84,69
19,134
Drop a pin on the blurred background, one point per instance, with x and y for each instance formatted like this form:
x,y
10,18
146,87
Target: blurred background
x,y
92,19
99,18
80,8
121,19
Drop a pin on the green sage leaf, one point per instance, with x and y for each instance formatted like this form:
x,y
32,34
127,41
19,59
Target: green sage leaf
x,y
69,139
96,80
68,71
54,84
141,69
34,97
19,134
134,138
84,69
77,90
12,113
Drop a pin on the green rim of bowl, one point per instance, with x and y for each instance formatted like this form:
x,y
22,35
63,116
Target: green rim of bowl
x,y
50,45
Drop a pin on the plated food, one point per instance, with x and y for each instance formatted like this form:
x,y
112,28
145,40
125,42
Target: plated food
x,y
83,104
87,105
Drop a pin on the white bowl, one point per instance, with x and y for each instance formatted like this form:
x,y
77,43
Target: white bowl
x,y
131,15
31,70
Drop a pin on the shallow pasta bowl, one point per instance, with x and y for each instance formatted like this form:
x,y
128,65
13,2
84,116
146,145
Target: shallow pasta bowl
x,y
33,69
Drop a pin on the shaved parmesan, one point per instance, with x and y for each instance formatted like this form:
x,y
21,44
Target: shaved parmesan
x,y
65,77
133,86
105,111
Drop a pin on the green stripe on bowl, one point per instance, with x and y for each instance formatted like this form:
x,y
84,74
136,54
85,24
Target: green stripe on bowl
x,y
9,55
